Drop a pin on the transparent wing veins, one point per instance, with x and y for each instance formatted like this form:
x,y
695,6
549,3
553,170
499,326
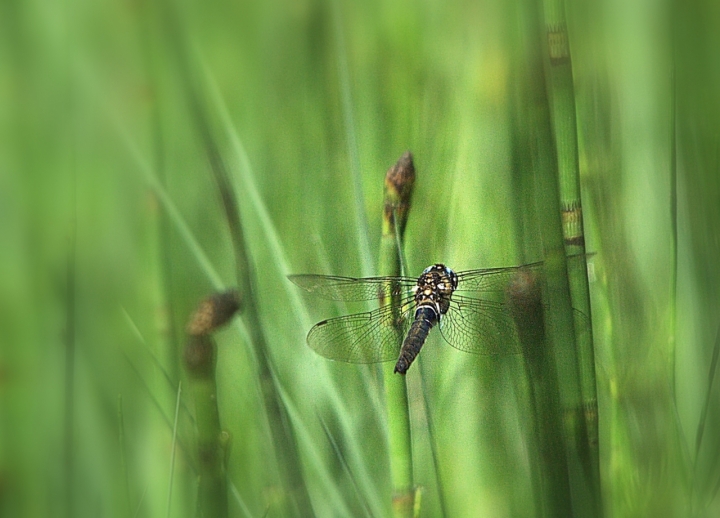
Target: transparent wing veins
x,y
373,336
493,279
350,289
479,327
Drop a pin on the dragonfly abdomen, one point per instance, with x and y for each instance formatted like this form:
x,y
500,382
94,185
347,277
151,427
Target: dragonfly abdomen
x,y
425,319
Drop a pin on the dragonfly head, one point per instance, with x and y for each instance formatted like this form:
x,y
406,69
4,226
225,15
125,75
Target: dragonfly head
x,y
445,274
435,288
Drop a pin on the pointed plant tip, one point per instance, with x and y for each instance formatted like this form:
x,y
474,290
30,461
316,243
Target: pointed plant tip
x,y
399,182
214,312
400,179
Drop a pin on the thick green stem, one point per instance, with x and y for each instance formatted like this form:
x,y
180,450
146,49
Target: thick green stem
x,y
400,439
559,316
398,189
200,357
558,69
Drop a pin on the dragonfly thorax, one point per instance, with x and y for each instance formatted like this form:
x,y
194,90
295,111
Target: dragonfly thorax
x,y
434,288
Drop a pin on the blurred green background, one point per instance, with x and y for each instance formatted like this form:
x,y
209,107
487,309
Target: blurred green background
x,y
112,229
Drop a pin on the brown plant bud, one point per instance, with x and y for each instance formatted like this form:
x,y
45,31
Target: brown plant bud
x,y
399,182
213,312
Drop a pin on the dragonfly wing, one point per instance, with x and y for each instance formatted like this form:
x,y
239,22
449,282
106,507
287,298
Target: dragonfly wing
x,y
493,279
480,327
352,289
375,336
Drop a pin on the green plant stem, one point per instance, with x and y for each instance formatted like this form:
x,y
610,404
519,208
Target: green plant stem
x,y
401,464
200,359
562,334
282,433
400,439
559,316
562,94
398,189
558,71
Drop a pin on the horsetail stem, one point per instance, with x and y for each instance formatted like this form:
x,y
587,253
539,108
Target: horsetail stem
x,y
399,182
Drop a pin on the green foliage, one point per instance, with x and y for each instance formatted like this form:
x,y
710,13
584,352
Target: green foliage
x,y
112,229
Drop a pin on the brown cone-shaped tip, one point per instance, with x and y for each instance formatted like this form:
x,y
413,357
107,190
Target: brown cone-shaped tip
x,y
399,182
213,312
400,178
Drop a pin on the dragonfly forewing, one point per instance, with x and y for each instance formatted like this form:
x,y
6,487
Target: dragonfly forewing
x,y
497,279
493,279
350,289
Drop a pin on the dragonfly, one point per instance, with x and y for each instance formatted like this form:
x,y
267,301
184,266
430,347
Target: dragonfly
x,y
469,308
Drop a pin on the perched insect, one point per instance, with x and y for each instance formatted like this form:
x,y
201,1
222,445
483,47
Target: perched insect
x,y
469,307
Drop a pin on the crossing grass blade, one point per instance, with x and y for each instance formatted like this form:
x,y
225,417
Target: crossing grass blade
x,y
244,182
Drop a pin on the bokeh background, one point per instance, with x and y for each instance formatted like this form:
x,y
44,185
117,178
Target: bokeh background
x,y
114,114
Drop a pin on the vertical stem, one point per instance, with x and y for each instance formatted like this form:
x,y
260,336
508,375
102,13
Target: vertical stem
x,y
200,357
70,336
558,69
559,317
398,190
401,465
